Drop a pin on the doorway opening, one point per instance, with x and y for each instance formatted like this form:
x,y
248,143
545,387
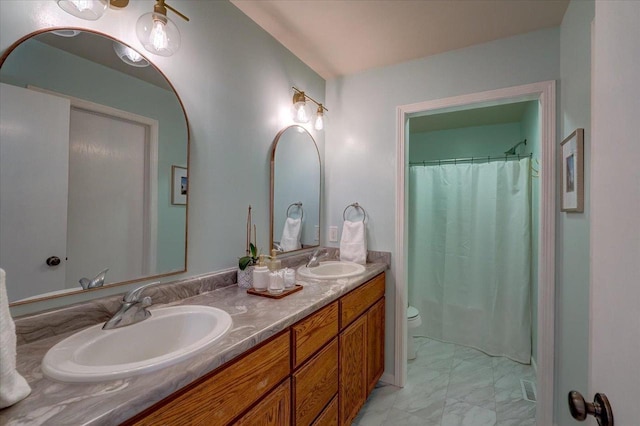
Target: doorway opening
x,y
543,95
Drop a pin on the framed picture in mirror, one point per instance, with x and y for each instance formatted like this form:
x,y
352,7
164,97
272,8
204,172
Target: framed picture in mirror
x,y
572,181
179,185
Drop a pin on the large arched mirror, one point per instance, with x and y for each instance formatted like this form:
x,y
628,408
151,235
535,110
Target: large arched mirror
x,y
295,190
93,166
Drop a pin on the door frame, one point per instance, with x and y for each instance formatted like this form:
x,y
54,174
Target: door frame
x,y
545,93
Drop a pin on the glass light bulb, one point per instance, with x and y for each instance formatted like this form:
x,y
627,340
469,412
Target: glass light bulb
x,y
158,34
158,37
300,112
82,5
319,125
86,9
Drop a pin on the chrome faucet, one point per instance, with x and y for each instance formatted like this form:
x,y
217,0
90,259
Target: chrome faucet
x,y
318,254
133,309
97,281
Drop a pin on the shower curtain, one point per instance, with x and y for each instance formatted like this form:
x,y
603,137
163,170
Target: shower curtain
x,y
470,254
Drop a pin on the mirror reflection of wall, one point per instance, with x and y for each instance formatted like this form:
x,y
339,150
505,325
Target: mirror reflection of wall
x,y
296,179
111,202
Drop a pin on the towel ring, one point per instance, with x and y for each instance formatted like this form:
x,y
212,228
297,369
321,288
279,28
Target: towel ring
x,y
299,206
355,206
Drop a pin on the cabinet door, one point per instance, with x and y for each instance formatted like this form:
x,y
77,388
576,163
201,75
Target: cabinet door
x,y
353,366
273,410
375,344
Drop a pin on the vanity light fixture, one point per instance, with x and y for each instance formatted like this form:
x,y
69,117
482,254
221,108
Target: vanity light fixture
x,y
157,33
90,10
300,113
129,56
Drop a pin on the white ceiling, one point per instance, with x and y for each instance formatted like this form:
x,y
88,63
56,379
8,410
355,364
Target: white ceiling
x,y
341,37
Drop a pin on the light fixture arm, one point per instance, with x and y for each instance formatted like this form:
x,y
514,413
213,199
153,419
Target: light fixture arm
x,y
300,93
161,7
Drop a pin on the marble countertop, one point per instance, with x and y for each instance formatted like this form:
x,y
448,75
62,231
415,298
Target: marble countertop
x,y
255,319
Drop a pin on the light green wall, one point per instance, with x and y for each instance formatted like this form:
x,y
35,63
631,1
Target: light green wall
x,y
572,229
74,76
361,140
463,142
235,82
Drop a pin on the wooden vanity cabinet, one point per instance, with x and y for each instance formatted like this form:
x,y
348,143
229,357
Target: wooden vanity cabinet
x,y
318,372
315,384
375,344
315,377
329,416
361,346
273,410
223,395
353,364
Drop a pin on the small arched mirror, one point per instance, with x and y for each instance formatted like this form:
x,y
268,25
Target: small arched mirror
x,y
93,167
295,190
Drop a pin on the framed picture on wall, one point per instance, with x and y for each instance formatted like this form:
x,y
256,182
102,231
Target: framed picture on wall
x,y
572,181
179,185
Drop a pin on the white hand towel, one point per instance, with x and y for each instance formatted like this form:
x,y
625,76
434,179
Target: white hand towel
x,y
353,243
13,387
291,234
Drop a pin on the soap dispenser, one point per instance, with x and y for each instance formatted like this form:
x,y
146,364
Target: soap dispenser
x,y
275,264
261,275
276,277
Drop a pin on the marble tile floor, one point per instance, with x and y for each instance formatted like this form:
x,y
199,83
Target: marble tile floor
x,y
451,385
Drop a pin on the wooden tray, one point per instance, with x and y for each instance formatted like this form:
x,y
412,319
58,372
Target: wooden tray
x,y
286,292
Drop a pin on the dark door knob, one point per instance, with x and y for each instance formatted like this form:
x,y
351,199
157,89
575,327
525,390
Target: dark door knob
x,y
599,408
53,261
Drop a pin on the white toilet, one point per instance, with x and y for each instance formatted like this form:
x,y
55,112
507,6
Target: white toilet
x,y
413,320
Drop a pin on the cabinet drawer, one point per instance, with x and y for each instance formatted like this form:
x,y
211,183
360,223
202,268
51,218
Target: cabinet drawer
x,y
228,392
273,410
313,332
315,384
329,416
358,301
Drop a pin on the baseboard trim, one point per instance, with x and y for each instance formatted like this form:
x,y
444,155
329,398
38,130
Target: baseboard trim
x,y
388,379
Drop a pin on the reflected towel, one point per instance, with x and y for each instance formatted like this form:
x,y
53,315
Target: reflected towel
x,y
13,387
353,243
291,234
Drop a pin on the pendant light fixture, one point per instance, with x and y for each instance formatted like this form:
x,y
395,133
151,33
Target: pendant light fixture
x,y
300,113
157,33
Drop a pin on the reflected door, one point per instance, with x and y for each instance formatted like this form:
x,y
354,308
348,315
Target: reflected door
x,y
34,158
107,197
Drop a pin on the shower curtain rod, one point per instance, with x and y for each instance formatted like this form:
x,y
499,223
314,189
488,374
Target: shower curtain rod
x,y
504,157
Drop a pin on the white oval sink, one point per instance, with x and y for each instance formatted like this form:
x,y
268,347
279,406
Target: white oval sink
x,y
170,335
331,270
